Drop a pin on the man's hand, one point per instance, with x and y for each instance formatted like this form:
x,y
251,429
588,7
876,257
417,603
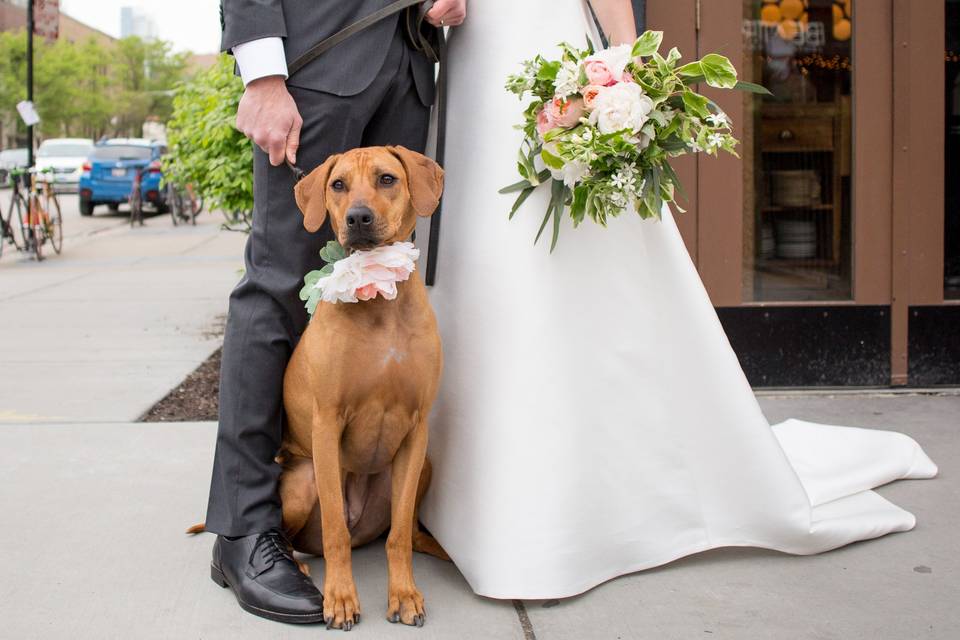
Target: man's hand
x,y
447,13
268,115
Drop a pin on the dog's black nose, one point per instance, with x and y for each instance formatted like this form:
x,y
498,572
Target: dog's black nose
x,y
359,217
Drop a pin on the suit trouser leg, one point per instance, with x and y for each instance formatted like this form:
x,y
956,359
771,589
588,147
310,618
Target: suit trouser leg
x,y
266,316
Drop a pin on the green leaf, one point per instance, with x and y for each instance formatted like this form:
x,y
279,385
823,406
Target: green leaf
x,y
695,103
752,88
543,224
332,252
718,71
647,44
691,70
552,161
672,175
516,186
558,196
519,201
673,56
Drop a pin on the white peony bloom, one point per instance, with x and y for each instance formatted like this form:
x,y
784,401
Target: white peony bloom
x,y
365,274
622,106
616,58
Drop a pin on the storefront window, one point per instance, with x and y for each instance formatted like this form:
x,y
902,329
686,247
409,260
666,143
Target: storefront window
x,y
798,150
951,266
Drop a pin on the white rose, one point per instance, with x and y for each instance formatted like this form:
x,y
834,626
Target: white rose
x,y
616,58
622,106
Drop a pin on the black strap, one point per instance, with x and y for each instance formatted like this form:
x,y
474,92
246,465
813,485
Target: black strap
x,y
353,29
433,244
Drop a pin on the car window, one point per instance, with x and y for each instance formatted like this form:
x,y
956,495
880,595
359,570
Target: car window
x,y
64,149
121,152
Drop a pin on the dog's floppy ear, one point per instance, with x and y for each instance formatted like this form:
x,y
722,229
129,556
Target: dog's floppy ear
x,y
311,194
424,179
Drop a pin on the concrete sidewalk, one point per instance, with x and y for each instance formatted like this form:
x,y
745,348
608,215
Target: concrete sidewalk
x,y
93,548
103,331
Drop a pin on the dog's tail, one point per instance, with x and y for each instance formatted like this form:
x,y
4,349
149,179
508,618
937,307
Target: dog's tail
x,y
197,528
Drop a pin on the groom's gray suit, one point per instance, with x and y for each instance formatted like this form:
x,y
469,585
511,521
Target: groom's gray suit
x,y
372,89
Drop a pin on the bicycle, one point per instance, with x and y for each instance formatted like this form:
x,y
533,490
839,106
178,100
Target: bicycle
x,y
43,220
184,203
6,225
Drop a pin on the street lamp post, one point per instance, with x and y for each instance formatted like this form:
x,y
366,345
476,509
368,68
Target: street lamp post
x,y
30,78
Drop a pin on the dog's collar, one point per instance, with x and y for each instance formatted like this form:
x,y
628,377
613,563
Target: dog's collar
x,y
360,276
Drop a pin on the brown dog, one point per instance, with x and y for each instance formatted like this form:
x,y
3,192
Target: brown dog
x,y
359,388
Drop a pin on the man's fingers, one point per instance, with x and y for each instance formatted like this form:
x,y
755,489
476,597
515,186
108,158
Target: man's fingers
x,y
293,140
438,12
276,147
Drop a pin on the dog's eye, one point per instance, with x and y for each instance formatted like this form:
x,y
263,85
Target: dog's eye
x,y
338,185
387,179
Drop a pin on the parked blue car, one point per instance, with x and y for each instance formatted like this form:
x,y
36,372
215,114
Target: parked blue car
x,y
110,170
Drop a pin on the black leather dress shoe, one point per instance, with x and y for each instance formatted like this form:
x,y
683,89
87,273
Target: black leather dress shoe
x,y
265,579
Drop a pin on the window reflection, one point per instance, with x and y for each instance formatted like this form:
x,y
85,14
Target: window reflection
x,y
797,167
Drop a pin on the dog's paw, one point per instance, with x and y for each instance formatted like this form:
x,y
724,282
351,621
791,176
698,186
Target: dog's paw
x,y
406,605
341,606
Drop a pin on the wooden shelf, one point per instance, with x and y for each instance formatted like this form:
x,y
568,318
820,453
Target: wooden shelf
x,y
810,207
796,262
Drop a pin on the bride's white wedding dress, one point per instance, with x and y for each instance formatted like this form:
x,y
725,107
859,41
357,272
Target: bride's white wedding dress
x,y
593,419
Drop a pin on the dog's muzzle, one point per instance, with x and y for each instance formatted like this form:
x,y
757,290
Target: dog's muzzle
x,y
361,231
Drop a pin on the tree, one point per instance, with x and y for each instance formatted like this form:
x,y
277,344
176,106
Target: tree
x,y
87,88
206,149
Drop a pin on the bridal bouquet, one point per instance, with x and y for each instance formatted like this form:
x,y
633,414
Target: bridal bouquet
x,y
602,125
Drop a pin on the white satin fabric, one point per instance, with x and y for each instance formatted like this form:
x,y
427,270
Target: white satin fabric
x,y
593,419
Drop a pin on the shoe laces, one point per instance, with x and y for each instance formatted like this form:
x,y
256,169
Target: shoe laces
x,y
273,546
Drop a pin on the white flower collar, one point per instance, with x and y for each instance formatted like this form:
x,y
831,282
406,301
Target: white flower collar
x,y
362,275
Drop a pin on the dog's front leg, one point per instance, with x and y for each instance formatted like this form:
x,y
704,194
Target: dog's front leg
x,y
404,601
341,607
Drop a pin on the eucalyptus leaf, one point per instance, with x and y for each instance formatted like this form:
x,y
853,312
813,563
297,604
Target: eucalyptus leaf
x,y
519,201
516,186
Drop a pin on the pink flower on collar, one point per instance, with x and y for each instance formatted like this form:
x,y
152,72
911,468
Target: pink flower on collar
x,y
363,275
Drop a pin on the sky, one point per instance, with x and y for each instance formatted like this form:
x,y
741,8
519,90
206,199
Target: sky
x,y
192,25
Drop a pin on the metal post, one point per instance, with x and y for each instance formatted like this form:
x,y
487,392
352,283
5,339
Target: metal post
x,y
30,78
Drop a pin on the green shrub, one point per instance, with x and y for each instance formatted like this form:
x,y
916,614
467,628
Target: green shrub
x,y
206,149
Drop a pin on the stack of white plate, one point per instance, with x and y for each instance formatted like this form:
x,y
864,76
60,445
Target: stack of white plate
x,y
796,239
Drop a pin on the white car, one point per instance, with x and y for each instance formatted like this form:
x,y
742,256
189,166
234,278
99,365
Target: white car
x,y
66,157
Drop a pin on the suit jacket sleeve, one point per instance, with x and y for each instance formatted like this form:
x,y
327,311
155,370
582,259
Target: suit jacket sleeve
x,y
246,20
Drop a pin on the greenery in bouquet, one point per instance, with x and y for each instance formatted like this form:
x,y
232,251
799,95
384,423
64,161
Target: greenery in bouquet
x,y
601,127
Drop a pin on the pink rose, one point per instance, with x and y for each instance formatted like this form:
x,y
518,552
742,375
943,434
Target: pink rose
x,y
544,123
599,73
564,113
590,93
367,292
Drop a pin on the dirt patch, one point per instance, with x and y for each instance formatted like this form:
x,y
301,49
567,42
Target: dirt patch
x,y
195,399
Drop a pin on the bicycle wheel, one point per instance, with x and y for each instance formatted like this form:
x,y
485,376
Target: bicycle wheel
x,y
54,224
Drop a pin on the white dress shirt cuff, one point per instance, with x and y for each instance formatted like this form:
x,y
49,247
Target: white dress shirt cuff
x,y
260,58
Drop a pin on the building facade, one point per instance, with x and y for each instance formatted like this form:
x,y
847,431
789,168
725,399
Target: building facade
x,y
831,249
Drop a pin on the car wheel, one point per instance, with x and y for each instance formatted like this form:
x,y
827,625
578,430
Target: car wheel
x,y
86,207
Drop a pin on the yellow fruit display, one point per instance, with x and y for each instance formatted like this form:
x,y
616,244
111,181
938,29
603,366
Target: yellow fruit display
x,y
788,29
770,14
837,13
842,30
791,9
